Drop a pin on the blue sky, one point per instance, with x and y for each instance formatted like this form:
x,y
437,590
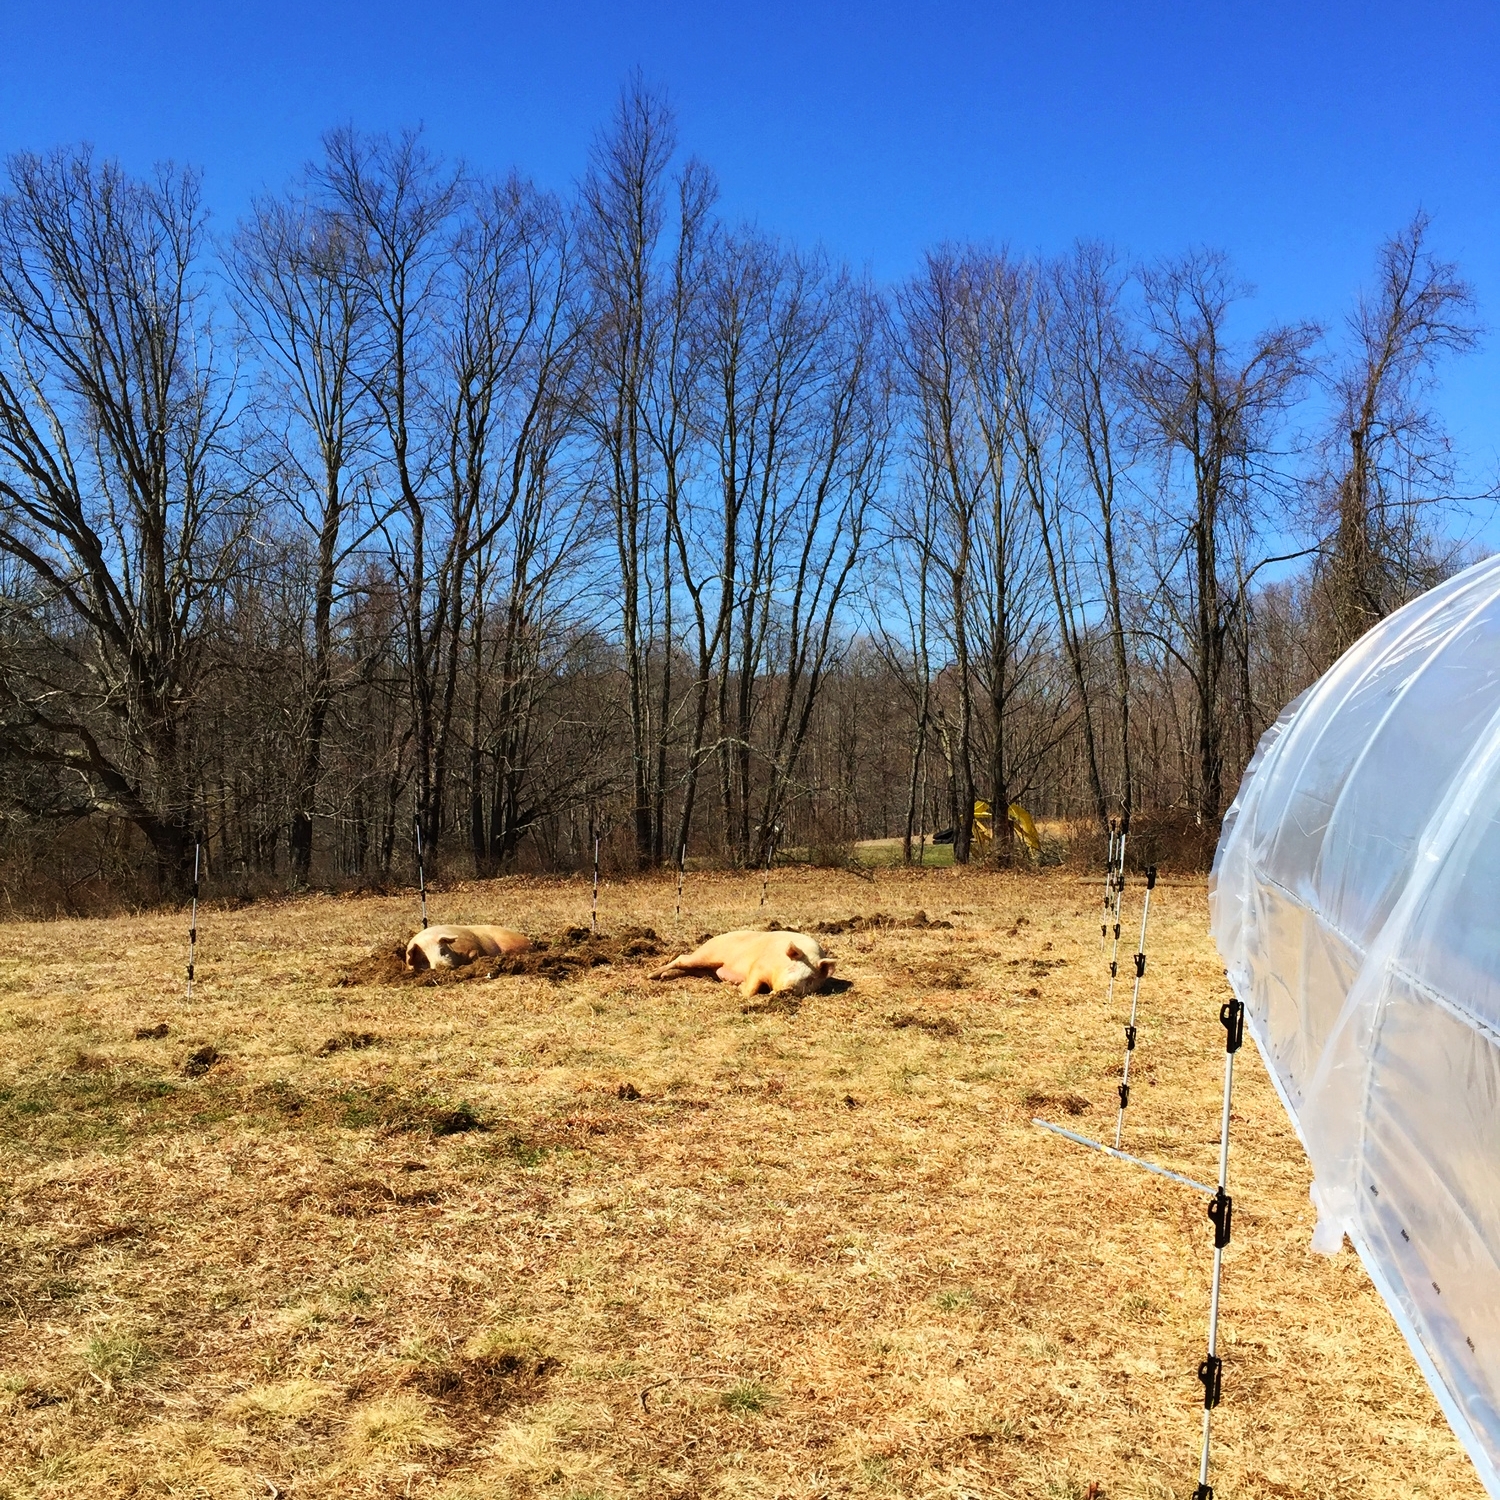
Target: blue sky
x,y
1293,136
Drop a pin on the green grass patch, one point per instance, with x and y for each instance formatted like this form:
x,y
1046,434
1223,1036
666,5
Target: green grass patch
x,y
749,1397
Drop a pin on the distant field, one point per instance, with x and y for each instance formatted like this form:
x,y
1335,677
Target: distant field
x,y
888,852
587,1236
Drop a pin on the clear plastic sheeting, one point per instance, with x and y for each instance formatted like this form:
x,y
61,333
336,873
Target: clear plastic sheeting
x,y
1355,899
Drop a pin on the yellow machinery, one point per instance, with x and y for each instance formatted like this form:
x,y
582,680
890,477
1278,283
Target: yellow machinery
x,y
1020,822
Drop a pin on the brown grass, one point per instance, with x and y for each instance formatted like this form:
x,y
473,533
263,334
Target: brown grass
x,y
579,1235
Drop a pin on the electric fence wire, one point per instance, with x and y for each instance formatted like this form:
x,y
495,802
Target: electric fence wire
x,y
1135,1002
1109,885
1114,957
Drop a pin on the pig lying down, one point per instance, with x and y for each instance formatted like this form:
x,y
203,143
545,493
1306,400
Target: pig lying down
x,y
781,962
452,947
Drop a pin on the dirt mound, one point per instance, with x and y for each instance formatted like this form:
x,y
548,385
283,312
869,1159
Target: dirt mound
x,y
1069,1104
935,1025
201,1061
1036,967
488,1383
918,921
773,1005
353,1041
572,952
938,975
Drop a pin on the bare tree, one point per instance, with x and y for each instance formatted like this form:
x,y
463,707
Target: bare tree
x,y
115,503
1004,331
1089,383
300,295
674,423
898,597
398,202
513,355
624,223
798,408
841,456
950,462
1214,412
1393,459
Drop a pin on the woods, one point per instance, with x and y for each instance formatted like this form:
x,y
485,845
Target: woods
x,y
418,495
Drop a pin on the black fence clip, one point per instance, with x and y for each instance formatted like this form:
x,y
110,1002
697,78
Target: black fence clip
x,y
1130,1038
190,973
1140,965
1114,968
1124,1090
1117,932
1232,1019
1150,877
1210,1372
192,934
1221,1211
1204,1492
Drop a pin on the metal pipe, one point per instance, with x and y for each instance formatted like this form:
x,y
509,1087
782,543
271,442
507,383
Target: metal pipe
x,y
1135,1161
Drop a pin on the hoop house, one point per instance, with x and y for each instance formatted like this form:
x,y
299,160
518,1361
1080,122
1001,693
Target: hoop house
x,y
1356,902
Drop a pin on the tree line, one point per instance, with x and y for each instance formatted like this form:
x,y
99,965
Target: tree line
x,y
421,497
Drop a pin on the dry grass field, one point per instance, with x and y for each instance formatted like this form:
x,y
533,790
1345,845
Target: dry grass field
x,y
578,1235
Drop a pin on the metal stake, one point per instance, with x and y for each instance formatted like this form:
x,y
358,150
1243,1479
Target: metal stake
x,y
193,928
416,819
922,809
765,879
1109,884
681,866
1114,957
594,912
1221,1212
1119,877
1135,1000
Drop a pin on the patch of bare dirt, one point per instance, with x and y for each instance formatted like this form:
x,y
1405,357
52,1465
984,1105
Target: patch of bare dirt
x,y
201,1061
1069,1104
918,921
938,975
935,1025
773,1005
487,1383
574,951
350,1041
1036,967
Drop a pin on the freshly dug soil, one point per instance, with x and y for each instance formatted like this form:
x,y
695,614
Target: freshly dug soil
x,y
572,952
489,1383
938,1025
918,921
1069,1104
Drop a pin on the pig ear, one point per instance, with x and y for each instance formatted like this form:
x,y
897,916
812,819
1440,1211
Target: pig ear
x,y
445,945
826,967
793,951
